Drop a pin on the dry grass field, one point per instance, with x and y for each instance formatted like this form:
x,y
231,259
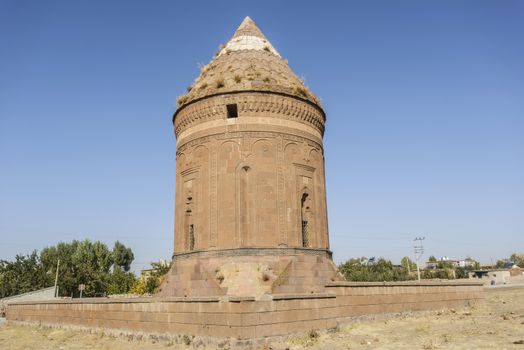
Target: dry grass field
x,y
497,324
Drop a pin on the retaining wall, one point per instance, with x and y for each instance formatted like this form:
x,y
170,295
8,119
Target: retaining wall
x,y
245,317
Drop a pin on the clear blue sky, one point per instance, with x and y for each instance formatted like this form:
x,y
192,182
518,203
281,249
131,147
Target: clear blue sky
x,y
424,99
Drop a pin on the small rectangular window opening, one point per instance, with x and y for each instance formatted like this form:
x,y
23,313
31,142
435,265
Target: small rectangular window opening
x,y
305,233
191,237
232,111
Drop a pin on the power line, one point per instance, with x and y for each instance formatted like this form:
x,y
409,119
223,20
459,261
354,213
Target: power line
x,y
418,248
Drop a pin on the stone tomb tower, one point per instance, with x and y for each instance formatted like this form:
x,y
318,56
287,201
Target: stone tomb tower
x,y
250,208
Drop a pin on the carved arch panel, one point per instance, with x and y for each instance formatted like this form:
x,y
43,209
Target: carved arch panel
x,y
229,156
264,188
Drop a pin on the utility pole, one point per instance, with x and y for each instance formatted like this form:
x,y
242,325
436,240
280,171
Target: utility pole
x,y
418,248
56,278
81,288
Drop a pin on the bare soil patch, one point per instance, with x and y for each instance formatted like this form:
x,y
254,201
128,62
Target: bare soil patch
x,y
496,324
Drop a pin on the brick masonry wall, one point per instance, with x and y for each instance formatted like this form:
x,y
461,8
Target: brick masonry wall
x,y
247,318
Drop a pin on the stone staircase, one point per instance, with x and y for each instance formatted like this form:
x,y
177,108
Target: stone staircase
x,y
190,279
306,274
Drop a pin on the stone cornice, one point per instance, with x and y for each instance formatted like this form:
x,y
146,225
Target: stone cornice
x,y
250,103
250,251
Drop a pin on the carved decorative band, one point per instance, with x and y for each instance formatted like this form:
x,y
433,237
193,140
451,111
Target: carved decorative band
x,y
272,105
252,134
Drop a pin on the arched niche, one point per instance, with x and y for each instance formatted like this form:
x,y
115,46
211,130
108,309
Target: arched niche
x,y
291,152
306,218
264,149
229,157
245,204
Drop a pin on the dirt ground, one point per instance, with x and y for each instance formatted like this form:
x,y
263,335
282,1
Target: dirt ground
x,y
497,324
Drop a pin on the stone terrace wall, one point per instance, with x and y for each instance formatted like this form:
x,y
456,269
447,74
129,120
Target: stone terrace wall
x,y
357,299
246,318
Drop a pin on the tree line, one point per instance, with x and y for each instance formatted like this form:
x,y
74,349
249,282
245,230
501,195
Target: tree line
x,y
371,270
380,270
517,259
105,272
101,270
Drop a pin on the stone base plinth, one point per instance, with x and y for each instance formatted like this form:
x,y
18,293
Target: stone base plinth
x,y
250,272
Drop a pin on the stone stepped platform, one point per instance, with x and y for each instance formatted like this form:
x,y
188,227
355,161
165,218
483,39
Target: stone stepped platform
x,y
243,319
250,272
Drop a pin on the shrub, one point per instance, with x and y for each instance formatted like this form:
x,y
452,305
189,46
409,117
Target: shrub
x,y
301,91
186,339
361,270
181,100
219,83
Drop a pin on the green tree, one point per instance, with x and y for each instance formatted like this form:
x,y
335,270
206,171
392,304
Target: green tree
x,y
120,282
22,275
149,284
518,259
472,264
445,273
382,270
81,262
408,264
432,259
461,272
92,264
122,256
67,282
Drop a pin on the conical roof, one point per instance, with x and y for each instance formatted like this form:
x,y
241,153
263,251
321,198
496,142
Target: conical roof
x,y
248,62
